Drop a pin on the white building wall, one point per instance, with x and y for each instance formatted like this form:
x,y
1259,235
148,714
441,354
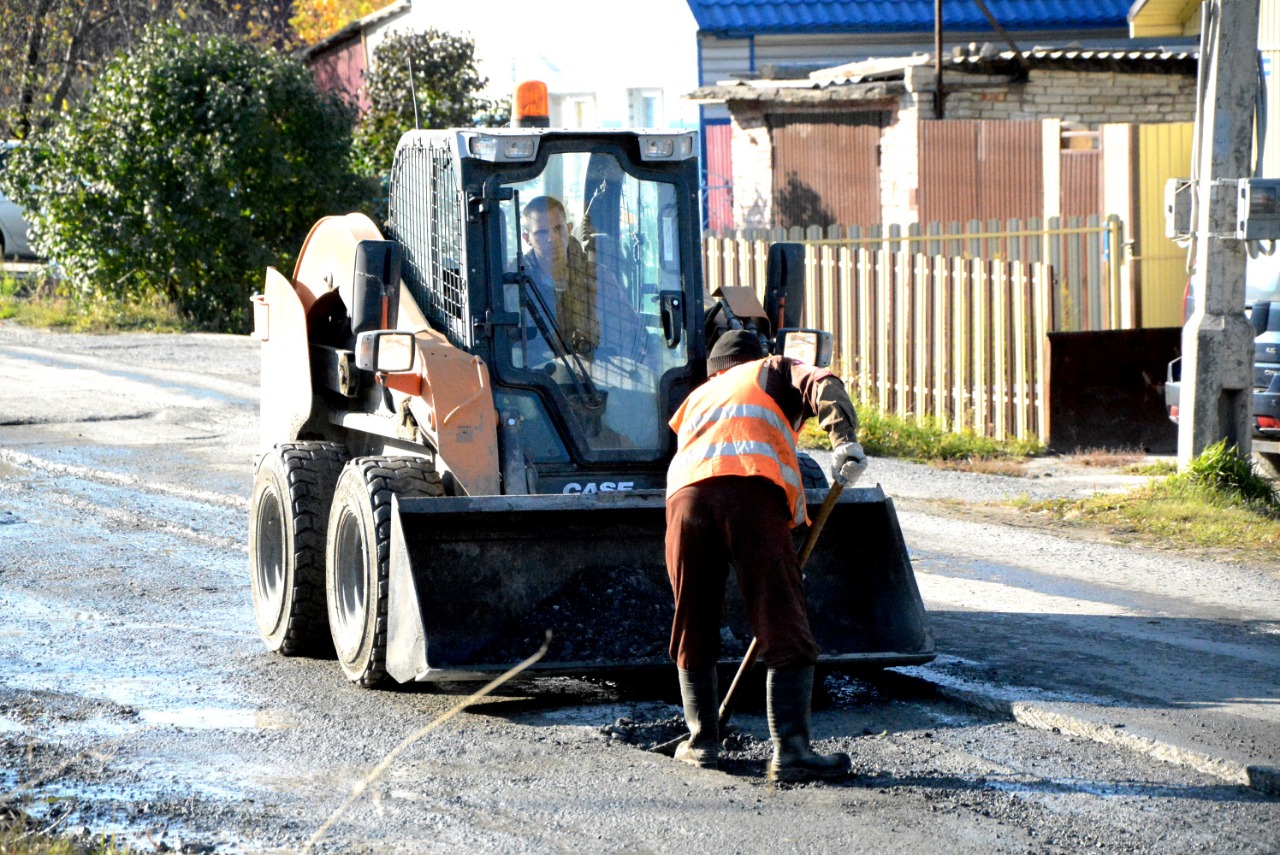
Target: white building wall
x,y
590,56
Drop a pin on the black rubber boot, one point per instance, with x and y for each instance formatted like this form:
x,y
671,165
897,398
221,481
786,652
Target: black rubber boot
x,y
702,712
790,697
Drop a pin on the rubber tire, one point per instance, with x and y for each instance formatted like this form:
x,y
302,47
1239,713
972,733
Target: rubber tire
x,y
1267,465
357,562
812,474
292,490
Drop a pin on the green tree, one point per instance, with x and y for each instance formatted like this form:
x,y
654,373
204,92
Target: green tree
x,y
445,85
51,49
192,164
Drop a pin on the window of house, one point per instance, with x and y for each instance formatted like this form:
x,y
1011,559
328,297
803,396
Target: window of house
x,y
575,111
645,108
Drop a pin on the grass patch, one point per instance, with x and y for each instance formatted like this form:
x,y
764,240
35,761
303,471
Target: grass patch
x,y
36,299
1156,469
1220,502
926,440
21,835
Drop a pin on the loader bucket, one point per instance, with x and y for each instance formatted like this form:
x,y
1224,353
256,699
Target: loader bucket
x,y
475,583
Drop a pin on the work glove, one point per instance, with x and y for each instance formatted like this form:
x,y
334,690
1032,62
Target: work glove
x,y
848,463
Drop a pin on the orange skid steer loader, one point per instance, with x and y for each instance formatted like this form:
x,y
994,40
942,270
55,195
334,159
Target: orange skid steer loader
x,y
464,420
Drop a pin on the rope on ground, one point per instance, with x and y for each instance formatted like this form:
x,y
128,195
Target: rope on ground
x,y
386,762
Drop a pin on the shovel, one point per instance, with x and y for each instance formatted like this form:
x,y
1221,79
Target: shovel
x,y
726,707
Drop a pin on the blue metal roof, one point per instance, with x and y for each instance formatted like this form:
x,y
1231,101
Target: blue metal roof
x,y
903,16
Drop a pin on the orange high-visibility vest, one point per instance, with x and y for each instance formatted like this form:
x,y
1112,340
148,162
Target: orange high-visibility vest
x,y
731,426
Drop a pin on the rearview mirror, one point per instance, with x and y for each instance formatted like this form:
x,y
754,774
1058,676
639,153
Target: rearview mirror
x,y
812,347
385,351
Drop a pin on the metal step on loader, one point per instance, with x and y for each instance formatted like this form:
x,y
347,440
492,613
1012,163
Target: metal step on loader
x,y
464,420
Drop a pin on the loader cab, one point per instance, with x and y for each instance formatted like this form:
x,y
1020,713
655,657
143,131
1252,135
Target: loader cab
x,y
583,282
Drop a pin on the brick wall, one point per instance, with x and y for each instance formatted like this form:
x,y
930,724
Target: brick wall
x,y
1089,98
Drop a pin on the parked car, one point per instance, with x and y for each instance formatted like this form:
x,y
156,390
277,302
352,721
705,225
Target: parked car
x,y
1262,308
14,228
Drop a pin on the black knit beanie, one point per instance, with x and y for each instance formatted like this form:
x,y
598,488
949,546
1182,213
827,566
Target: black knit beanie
x,y
734,348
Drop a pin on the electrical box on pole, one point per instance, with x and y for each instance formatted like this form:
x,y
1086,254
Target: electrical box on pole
x,y
1217,340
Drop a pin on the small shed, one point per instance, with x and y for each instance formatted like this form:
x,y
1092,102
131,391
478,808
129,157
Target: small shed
x,y
773,39
338,62
1016,135
870,142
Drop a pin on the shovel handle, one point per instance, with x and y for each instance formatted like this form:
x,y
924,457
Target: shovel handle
x,y
726,708
833,496
828,504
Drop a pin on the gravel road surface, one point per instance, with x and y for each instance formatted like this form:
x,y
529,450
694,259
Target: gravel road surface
x,y
1087,695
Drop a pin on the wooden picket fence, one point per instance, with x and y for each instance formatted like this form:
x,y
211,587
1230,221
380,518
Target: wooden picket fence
x,y
1084,253
961,338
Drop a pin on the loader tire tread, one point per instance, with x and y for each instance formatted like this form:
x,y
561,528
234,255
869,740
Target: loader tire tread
x,y
812,474
310,472
384,477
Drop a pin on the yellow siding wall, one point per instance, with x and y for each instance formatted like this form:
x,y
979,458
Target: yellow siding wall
x,y
1164,152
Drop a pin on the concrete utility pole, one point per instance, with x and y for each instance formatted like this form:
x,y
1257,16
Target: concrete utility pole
x,y
1217,341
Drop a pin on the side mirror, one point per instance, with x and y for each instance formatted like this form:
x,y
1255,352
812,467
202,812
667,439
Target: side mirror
x,y
784,285
374,301
385,351
812,347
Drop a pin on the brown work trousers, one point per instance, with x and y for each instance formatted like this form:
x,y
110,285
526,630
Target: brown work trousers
x,y
743,521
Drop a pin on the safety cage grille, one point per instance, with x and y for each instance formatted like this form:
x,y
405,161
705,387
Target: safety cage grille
x,y
425,218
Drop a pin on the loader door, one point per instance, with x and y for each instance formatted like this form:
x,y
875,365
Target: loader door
x,y
593,269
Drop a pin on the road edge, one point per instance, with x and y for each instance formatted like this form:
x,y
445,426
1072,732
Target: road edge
x,y
1046,715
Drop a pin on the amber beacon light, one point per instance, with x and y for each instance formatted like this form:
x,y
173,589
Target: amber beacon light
x,y
531,106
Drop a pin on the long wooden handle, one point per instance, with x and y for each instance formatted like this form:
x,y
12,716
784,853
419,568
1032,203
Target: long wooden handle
x,y
829,503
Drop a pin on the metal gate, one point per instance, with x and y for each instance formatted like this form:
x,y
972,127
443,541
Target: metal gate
x,y
826,168
980,169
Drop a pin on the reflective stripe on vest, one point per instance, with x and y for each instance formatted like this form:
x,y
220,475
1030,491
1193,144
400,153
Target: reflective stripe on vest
x,y
730,426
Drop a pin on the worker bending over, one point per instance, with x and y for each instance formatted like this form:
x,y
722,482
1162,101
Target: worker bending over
x,y
734,493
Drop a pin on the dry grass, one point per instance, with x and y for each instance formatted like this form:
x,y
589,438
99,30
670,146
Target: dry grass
x,y
1104,458
985,466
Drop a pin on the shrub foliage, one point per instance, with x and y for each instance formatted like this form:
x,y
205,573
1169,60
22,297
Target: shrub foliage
x,y
192,164
445,86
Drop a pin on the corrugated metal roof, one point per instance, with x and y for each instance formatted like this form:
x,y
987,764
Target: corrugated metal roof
x,y
883,77
903,16
1007,62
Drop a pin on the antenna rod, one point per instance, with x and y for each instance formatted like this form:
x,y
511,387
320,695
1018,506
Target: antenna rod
x,y
413,94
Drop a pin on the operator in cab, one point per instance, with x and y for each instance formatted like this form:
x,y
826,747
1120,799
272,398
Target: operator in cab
x,y
734,492
590,307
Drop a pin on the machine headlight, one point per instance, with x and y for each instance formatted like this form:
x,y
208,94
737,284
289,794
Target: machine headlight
x,y
483,148
521,149
500,149
666,146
